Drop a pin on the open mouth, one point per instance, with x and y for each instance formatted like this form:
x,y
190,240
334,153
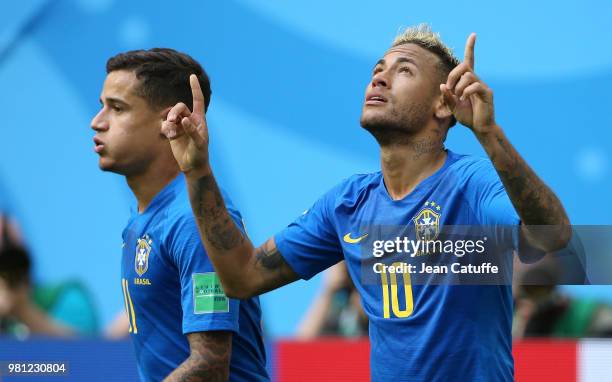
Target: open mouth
x,y
375,100
98,145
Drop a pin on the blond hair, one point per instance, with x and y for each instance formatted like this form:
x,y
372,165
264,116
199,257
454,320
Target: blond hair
x,y
423,36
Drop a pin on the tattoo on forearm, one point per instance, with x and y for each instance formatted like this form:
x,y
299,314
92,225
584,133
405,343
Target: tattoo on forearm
x,y
272,265
209,358
223,238
534,201
269,258
210,211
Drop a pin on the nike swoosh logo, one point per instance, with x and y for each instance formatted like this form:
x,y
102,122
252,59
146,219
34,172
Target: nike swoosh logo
x,y
347,238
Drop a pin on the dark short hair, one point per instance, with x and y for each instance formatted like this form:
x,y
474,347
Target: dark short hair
x,y
164,75
15,265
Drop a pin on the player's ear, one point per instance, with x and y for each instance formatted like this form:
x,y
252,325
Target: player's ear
x,y
442,109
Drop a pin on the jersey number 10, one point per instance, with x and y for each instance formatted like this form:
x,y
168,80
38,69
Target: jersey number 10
x,y
390,282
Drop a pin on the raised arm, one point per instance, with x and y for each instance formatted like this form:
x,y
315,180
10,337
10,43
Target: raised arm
x,y
209,358
471,102
243,269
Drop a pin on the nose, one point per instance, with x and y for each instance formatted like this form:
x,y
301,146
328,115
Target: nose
x,y
380,79
99,123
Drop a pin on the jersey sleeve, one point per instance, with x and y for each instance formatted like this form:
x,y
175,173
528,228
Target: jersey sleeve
x,y
310,244
204,303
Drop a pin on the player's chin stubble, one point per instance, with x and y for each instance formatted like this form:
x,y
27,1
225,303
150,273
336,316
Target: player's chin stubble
x,y
393,127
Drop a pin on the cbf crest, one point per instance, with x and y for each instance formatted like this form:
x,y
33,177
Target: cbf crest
x,y
427,222
143,250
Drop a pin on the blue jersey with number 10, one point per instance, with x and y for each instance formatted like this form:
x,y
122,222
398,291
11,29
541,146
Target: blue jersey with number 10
x,y
417,332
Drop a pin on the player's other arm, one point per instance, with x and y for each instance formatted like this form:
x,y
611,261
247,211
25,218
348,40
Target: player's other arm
x,y
471,101
244,270
209,358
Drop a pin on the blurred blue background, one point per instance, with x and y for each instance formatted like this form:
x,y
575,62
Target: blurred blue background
x,y
288,79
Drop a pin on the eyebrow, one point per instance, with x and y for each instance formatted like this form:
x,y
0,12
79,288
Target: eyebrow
x,y
407,59
399,60
113,100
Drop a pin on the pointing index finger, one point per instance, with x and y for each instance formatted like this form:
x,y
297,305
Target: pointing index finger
x,y
196,93
469,50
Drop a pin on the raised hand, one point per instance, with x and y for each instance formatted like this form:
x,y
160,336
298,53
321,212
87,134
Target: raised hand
x,y
470,99
188,133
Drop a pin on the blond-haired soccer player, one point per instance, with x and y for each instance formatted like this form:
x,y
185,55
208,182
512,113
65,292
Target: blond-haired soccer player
x,y
417,91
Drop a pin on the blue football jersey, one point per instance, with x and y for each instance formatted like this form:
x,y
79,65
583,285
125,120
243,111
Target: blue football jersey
x,y
170,289
420,332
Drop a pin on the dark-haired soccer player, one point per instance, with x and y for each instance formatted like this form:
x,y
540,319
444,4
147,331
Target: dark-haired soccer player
x,y
423,332
183,326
